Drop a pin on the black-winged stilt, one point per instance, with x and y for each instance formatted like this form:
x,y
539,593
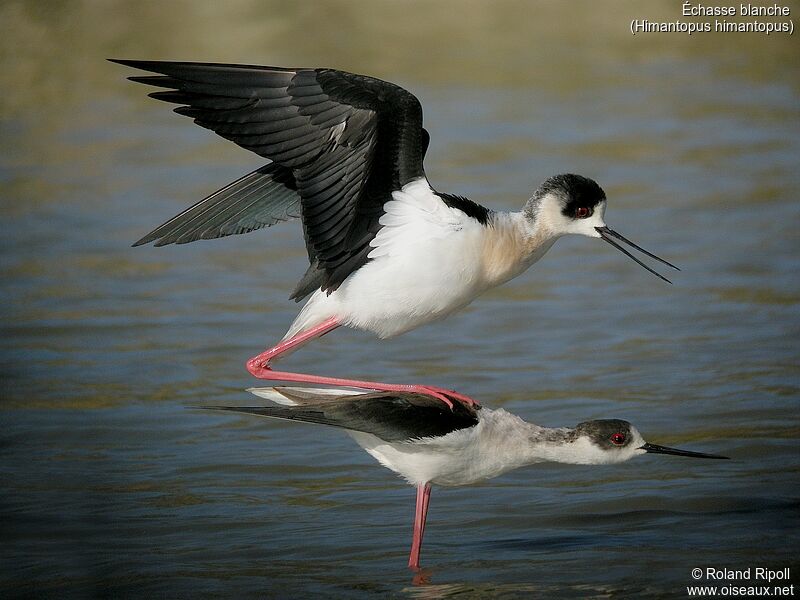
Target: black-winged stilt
x,y
387,252
415,436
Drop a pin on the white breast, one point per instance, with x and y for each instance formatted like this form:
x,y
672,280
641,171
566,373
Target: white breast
x,y
427,261
499,443
425,264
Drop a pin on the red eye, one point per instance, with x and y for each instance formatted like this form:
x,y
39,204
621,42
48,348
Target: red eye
x,y
582,212
618,439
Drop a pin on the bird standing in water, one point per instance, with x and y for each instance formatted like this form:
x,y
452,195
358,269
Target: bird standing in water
x,y
424,442
387,252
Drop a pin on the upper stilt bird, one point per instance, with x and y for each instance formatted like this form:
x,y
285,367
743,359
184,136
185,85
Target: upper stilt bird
x,y
416,437
387,252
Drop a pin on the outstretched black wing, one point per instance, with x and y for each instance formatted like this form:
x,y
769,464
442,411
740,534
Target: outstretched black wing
x,y
259,199
393,417
347,140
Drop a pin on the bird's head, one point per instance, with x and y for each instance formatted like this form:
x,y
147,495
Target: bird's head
x,y
567,204
607,441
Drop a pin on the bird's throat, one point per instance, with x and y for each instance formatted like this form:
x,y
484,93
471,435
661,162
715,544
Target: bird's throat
x,y
511,245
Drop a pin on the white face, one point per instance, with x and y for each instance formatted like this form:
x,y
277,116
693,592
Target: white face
x,y
584,450
587,226
550,215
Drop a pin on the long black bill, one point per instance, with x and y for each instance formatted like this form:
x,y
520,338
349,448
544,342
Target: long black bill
x,y
607,234
656,449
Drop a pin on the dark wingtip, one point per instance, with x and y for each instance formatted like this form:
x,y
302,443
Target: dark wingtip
x,y
142,241
125,62
215,407
145,65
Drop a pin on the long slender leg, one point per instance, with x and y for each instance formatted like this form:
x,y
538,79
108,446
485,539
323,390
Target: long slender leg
x,y
438,393
262,360
426,500
420,515
259,367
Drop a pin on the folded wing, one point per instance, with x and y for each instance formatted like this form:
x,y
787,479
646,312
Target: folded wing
x,y
391,416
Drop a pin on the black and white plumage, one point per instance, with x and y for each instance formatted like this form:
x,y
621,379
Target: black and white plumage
x,y
340,142
426,443
389,416
387,252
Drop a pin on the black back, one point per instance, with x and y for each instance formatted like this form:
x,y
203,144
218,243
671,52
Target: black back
x,y
470,208
393,417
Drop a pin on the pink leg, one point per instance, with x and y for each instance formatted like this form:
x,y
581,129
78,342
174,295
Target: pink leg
x,y
259,367
420,515
262,360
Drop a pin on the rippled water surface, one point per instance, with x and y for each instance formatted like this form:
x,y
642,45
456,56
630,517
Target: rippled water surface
x,y
114,486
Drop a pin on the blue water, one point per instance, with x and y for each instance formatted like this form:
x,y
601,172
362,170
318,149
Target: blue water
x,y
113,485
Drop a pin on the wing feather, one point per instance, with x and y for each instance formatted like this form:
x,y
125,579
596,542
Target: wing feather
x,y
260,199
392,417
347,140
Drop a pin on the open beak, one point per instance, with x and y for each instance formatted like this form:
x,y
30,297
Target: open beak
x,y
656,449
607,234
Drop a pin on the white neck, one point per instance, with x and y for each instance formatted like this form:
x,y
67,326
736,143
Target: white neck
x,y
562,445
547,444
526,443
511,245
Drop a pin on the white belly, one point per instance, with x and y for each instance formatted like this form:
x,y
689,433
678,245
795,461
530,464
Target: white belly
x,y
427,261
394,294
499,443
